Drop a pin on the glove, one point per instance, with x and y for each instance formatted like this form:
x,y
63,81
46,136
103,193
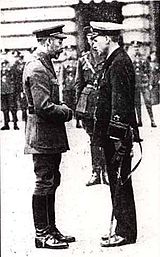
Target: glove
x,y
68,112
120,152
63,112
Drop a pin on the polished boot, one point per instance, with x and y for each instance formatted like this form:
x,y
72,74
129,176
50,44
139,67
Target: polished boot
x,y
15,126
95,179
116,240
153,125
59,236
5,127
49,241
52,227
6,120
43,238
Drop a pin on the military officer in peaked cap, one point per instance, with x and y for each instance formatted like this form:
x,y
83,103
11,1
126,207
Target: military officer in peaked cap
x,y
86,83
46,137
115,113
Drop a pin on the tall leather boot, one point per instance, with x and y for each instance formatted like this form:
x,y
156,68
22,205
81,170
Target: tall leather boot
x,y
40,215
6,120
15,119
52,224
43,237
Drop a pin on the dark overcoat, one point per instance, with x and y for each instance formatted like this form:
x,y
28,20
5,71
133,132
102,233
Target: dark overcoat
x,y
45,130
115,95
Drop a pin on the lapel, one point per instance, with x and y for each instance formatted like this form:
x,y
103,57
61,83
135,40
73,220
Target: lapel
x,y
45,60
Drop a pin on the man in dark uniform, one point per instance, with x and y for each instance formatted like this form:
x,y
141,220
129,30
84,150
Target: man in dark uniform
x,y
143,74
17,68
46,137
8,95
86,81
115,107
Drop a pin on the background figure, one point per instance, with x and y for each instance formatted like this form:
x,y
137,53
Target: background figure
x,y
8,95
143,73
68,82
18,73
86,79
154,78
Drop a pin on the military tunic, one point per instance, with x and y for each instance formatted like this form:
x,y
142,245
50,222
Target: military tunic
x,y
45,131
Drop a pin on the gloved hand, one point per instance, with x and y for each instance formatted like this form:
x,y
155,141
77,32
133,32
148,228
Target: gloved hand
x,y
63,112
68,112
120,152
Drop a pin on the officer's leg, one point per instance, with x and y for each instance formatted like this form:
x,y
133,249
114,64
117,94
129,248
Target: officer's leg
x,y
42,185
51,204
125,211
123,199
147,100
13,108
51,193
98,166
45,184
88,125
96,169
4,104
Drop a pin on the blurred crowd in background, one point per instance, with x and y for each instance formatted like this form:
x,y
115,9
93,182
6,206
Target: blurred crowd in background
x,y
13,98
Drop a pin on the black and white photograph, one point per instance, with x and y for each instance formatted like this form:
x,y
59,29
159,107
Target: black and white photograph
x,y
80,128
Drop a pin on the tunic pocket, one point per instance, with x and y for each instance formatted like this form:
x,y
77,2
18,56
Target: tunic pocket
x,y
46,137
50,138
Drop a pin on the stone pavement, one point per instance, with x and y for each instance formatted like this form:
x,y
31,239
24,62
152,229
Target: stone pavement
x,y
81,211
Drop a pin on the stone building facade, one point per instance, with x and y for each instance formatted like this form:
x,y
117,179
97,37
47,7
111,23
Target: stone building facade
x,y
19,18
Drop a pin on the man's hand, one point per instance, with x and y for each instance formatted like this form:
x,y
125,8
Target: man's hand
x,y
68,112
64,112
120,152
